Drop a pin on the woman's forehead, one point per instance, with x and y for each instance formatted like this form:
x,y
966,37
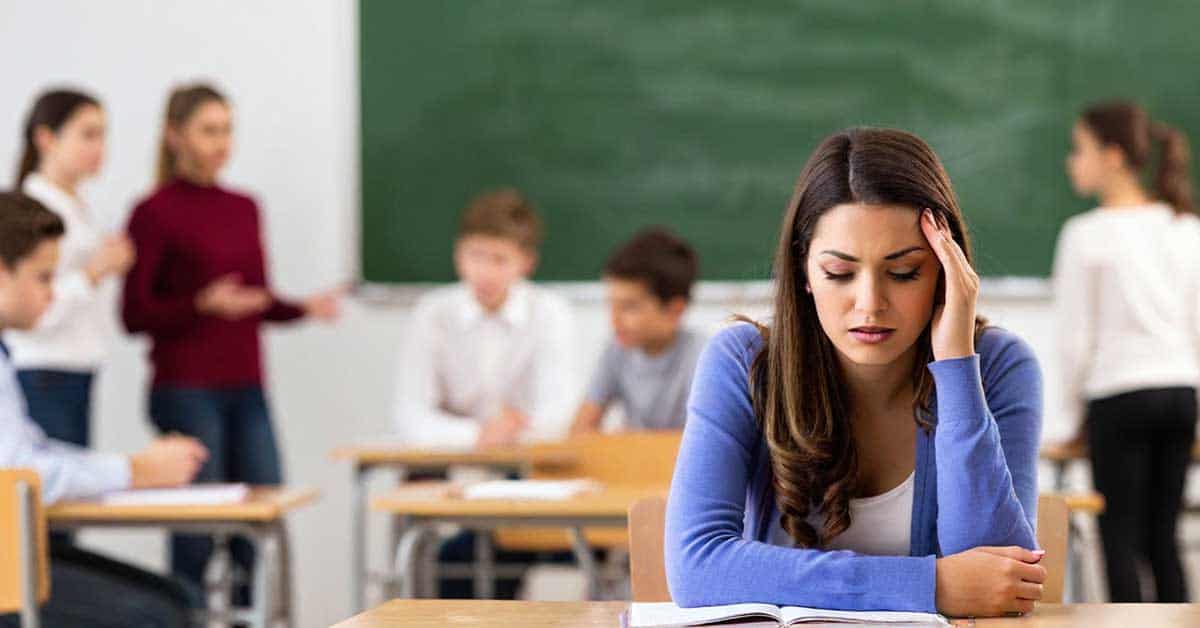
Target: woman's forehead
x,y
867,231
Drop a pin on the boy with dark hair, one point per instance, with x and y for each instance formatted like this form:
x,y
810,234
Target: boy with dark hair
x,y
87,589
647,368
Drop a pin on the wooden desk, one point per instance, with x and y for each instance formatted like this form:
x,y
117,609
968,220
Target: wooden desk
x,y
260,518
414,613
367,459
423,507
1099,616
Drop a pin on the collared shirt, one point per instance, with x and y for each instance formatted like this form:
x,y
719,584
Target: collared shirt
x,y
66,471
75,332
461,365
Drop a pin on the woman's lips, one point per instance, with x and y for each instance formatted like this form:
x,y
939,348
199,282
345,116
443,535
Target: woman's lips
x,y
872,335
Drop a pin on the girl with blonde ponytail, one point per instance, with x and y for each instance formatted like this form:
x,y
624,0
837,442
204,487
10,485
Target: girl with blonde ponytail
x,y
1127,287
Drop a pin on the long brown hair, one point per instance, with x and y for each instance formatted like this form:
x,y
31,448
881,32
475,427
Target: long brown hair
x,y
52,110
799,397
1128,127
182,103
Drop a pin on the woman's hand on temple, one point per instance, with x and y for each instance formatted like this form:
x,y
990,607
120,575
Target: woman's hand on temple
x,y
953,333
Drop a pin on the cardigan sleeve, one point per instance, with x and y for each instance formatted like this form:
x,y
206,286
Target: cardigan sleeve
x,y
986,445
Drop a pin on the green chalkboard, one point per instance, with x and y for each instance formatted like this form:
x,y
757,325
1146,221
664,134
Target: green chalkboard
x,y
613,115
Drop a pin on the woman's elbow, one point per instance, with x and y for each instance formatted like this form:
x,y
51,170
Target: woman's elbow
x,y
686,571
685,587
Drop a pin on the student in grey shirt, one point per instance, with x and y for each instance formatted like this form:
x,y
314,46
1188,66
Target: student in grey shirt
x,y
647,367
86,589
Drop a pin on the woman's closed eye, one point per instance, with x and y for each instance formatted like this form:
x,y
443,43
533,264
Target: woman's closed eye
x,y
898,275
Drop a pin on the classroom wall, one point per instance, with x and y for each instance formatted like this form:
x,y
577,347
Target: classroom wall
x,y
290,70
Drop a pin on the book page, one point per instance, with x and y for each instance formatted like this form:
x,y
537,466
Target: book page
x,y
800,615
528,489
662,614
195,495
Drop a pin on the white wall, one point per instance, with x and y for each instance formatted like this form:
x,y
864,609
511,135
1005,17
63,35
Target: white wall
x,y
290,68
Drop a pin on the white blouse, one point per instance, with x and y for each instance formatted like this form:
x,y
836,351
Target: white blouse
x,y
1127,295
879,526
74,333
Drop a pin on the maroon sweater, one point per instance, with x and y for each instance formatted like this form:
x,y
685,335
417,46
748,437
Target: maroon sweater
x,y
186,236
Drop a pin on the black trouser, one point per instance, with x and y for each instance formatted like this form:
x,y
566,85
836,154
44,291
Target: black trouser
x,y
1141,446
91,591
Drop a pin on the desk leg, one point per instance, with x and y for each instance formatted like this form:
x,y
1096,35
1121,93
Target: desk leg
x,y
218,575
358,534
396,525
266,566
485,566
587,562
430,586
408,552
284,575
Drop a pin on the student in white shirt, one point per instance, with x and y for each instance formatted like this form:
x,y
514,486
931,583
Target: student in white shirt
x,y
1126,279
487,362
57,360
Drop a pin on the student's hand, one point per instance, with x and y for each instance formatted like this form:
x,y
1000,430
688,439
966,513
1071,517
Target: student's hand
x,y
167,462
953,333
989,582
325,306
115,257
587,419
503,429
227,298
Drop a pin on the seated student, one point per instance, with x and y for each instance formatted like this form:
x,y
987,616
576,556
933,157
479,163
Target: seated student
x,y
647,368
86,589
487,361
875,445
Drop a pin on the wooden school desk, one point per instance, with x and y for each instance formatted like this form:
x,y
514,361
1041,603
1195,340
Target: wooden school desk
x,y
414,613
260,518
366,459
424,507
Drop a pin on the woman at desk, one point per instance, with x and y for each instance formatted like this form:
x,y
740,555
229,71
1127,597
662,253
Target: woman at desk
x,y
874,446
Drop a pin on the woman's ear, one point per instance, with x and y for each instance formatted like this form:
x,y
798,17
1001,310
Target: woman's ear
x,y
807,287
43,139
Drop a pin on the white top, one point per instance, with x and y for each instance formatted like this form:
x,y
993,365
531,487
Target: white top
x,y
1127,294
459,366
74,333
879,525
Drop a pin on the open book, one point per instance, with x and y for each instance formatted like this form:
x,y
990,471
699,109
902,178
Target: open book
x,y
668,615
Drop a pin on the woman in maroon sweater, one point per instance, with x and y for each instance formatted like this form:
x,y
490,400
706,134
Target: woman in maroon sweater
x,y
199,289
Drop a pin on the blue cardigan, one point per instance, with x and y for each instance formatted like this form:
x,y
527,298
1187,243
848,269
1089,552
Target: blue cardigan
x,y
975,485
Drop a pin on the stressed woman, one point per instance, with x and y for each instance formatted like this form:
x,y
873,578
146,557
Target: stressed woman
x,y
874,445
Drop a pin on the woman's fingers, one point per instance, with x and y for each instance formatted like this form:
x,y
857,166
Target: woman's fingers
x,y
1029,591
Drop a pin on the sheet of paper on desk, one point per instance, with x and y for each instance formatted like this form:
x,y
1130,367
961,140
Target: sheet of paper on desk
x,y
528,489
195,495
